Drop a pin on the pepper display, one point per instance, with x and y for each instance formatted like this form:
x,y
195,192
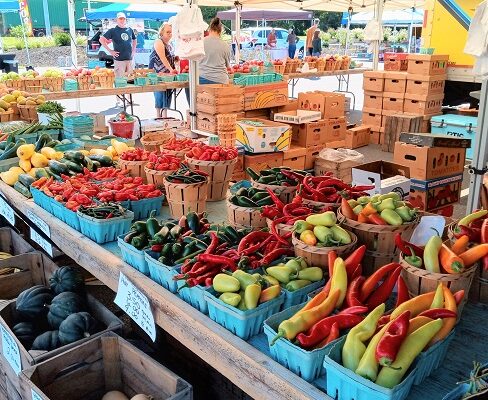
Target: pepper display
x,y
203,152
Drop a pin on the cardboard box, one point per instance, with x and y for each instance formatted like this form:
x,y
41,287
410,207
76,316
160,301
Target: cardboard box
x,y
294,157
426,64
393,101
337,144
335,129
373,100
427,163
340,169
433,140
435,193
263,114
220,99
259,162
262,136
395,82
420,104
357,137
371,117
292,105
425,84
385,176
310,134
395,61
374,81
374,136
312,153
331,105
297,116
266,96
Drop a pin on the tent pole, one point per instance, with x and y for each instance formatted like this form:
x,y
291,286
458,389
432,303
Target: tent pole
x,y
378,13
47,21
349,16
237,55
26,43
480,157
72,32
410,33
192,83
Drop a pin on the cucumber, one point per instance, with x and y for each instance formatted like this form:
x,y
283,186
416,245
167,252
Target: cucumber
x,y
96,164
22,189
74,156
26,180
105,161
52,143
72,165
58,168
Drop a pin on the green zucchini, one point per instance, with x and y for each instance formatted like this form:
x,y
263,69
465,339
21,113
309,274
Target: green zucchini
x,y
105,161
72,165
58,168
253,174
42,141
26,180
40,172
22,189
74,156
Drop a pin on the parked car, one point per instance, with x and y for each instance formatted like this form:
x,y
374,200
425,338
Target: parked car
x,y
258,37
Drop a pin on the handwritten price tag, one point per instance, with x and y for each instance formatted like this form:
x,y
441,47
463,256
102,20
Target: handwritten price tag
x,y
11,351
45,245
7,212
136,305
213,140
39,223
35,395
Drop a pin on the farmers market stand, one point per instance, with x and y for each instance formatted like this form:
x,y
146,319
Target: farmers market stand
x,y
246,364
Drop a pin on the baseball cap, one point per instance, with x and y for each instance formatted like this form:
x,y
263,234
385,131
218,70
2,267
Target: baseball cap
x,y
121,15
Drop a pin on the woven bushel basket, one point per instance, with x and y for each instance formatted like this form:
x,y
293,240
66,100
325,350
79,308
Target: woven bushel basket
x,y
280,228
285,193
156,177
54,84
219,175
379,241
153,141
179,154
28,113
245,217
479,286
318,256
135,168
183,197
34,85
319,204
7,116
15,84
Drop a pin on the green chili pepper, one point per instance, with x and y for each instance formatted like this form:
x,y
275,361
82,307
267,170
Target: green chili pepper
x,y
387,204
244,278
357,209
233,299
327,218
341,235
313,274
139,241
152,224
301,226
406,213
322,233
431,254
297,284
391,195
281,273
295,264
413,259
139,226
223,283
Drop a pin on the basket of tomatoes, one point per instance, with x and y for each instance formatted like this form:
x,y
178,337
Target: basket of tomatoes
x,y
159,165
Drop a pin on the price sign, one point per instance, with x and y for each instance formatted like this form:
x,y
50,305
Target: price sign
x,y
136,305
46,246
35,395
7,212
39,223
213,140
11,351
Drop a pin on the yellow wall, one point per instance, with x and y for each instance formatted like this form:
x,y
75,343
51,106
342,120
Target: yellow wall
x,y
444,33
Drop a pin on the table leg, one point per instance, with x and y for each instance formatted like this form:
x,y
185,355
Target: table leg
x,y
344,79
293,82
177,92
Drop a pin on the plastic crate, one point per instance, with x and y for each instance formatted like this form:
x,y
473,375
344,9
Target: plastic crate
x,y
42,199
161,273
66,215
241,323
182,77
309,365
140,81
431,359
142,208
135,258
166,78
120,82
194,295
5,165
92,64
105,230
344,384
67,146
301,295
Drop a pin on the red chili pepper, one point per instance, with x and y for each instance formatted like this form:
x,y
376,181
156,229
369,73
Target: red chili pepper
x,y
354,260
403,245
402,292
293,175
372,280
362,188
357,272
354,310
458,296
333,335
381,294
270,212
249,239
435,313
331,257
383,320
390,342
320,330
484,239
215,259
275,254
275,233
353,292
279,204
214,242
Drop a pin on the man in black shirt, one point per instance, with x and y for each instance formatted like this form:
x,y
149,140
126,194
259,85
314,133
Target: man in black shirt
x,y
124,43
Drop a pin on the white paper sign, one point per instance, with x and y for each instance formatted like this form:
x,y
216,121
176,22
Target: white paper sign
x,y
7,212
136,305
35,396
39,223
213,140
46,246
423,232
11,351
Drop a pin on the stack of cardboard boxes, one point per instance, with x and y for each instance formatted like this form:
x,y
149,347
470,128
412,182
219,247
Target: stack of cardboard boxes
x,y
419,92
436,164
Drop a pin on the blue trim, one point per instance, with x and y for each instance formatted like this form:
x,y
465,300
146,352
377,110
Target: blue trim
x,y
457,12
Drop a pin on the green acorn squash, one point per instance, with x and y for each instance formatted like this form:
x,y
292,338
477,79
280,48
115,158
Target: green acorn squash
x,y
31,303
76,327
67,279
47,341
26,332
63,305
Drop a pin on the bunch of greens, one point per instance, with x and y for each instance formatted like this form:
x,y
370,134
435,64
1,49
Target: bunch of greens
x,y
50,107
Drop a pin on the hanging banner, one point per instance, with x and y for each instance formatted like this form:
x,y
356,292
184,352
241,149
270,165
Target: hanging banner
x,y
25,16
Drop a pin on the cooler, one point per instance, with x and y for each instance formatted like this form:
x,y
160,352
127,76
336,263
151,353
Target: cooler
x,y
458,126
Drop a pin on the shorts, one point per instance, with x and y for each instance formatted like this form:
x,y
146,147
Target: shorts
x,y
123,68
163,99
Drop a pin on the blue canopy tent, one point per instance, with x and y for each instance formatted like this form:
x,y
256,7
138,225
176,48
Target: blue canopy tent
x,y
390,17
141,11
12,6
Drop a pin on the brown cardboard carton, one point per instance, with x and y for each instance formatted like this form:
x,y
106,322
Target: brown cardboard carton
x,y
435,193
426,64
294,157
312,153
331,105
335,130
374,81
421,104
395,82
425,84
259,162
310,134
373,100
358,136
371,117
393,101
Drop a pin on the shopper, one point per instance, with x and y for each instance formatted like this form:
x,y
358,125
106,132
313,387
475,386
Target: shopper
x,y
271,39
316,44
310,33
213,67
162,59
140,39
292,43
124,43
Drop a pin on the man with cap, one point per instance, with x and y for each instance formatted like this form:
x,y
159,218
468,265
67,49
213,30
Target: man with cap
x,y
124,43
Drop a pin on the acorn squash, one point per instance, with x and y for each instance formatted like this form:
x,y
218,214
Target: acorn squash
x,y
31,303
26,332
63,305
47,341
66,279
76,327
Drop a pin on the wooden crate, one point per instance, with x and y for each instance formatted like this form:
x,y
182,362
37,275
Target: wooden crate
x,y
219,99
36,270
395,125
11,242
100,365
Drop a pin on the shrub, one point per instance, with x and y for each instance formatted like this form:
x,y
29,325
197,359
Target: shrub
x,y
47,41
19,44
81,40
35,45
17,31
62,39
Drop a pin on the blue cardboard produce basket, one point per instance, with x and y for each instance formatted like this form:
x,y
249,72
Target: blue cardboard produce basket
x,y
309,365
42,199
193,295
161,273
142,208
241,323
344,384
135,258
301,295
68,217
105,230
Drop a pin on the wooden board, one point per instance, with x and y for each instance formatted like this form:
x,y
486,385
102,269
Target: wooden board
x,y
395,125
355,71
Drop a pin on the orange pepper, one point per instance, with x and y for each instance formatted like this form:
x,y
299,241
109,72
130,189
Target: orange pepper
x,y
416,305
460,245
417,322
450,262
369,209
363,218
448,323
308,237
474,254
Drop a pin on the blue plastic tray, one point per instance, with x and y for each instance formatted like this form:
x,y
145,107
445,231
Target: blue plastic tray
x,y
161,273
304,363
105,230
431,359
193,295
142,208
132,256
344,384
301,295
68,217
241,323
458,392
42,199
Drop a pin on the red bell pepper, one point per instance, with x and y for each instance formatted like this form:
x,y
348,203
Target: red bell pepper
x,y
389,344
474,234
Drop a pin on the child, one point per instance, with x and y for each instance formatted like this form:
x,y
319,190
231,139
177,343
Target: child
x,y
316,44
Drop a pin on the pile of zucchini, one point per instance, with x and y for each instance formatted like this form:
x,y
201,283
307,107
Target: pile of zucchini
x,y
251,197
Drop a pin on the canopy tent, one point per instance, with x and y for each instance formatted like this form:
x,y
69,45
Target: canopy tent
x,y
144,11
268,15
9,6
390,17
